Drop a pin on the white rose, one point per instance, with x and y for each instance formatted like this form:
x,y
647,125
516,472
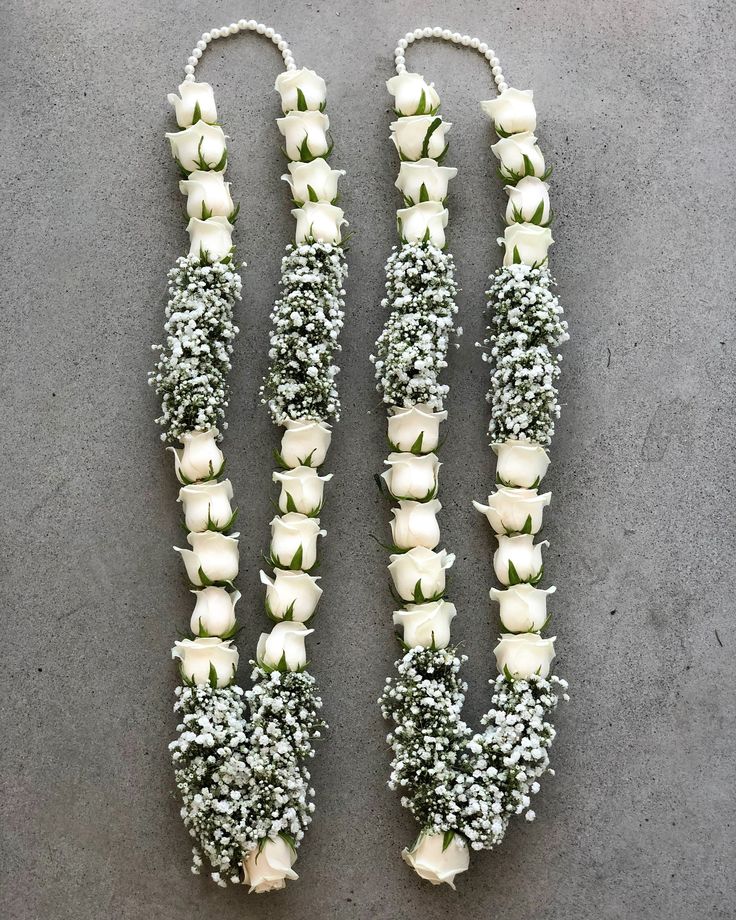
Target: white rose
x,y
212,237
512,510
526,243
412,94
528,201
512,111
410,136
510,151
319,221
420,573
426,625
200,458
415,524
525,654
208,195
214,611
199,147
406,425
314,180
521,553
305,134
198,656
207,503
305,442
291,594
520,463
193,95
305,487
288,534
312,86
412,475
523,608
435,862
284,646
213,554
427,175
422,222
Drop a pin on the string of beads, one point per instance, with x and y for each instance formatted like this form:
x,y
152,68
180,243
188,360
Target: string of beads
x,y
469,42
242,25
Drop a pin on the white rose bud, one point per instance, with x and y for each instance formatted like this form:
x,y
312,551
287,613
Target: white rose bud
x,y
415,524
200,458
424,174
284,646
314,180
207,503
521,553
267,867
520,463
523,608
406,425
291,594
213,554
510,152
199,656
305,442
435,862
515,510
199,147
318,221
212,237
526,243
412,475
193,95
214,611
528,201
304,486
525,654
423,222
512,111
291,532
208,195
412,94
305,134
420,574
417,137
426,625
313,90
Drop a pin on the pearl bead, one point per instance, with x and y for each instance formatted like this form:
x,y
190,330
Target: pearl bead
x,y
234,28
482,47
189,78
189,69
224,31
457,37
493,59
282,45
502,87
192,60
201,45
242,23
215,33
466,39
474,42
489,56
418,33
276,38
207,37
446,34
437,32
260,28
402,43
409,37
400,61
496,70
269,33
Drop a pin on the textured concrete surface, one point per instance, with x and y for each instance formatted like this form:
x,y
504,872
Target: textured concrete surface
x,y
636,113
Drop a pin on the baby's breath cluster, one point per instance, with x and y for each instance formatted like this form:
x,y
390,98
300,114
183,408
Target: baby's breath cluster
x,y
412,349
191,372
526,327
307,320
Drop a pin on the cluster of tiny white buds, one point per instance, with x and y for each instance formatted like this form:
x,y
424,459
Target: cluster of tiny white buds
x,y
468,41
242,25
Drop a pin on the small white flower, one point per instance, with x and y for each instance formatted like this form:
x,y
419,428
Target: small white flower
x,y
512,110
267,867
312,86
412,94
284,646
523,608
434,861
305,135
193,95
291,592
199,656
525,654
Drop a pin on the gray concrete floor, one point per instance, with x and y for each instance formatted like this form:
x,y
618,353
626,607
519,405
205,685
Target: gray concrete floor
x,y
636,113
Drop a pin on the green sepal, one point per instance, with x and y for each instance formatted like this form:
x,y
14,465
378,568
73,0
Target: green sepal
x,y
447,839
516,257
206,212
390,547
206,583
197,113
507,674
537,216
528,165
301,102
312,194
221,163
535,579
232,632
280,460
527,528
233,215
416,447
421,108
290,503
428,136
180,166
513,574
212,679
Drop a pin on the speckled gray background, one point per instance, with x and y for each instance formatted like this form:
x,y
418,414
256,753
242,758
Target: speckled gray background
x,y
636,112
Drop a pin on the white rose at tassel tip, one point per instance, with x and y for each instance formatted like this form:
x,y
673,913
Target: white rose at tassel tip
x,y
415,524
301,487
526,243
208,195
523,608
318,221
521,552
214,553
423,567
305,441
409,135
525,199
317,176
267,867
426,625
214,611
511,510
405,426
190,96
198,656
434,862
292,531
284,645
207,503
520,463
200,458
512,110
412,476
213,237
293,592
425,172
525,654
197,144
300,127
312,86
510,151
410,90
422,222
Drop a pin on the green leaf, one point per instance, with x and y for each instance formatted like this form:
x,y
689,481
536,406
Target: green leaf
x,y
312,194
201,631
416,447
289,612
301,102
305,154
538,577
307,461
280,460
447,839
423,193
233,215
213,677
425,238
507,674
517,257
183,171
203,578
528,166
527,528
428,136
221,163
296,562
206,213
290,503
196,114
422,105
418,596
513,574
538,214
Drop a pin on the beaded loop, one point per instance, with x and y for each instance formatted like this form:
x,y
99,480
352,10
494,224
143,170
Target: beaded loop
x,y
470,42
242,25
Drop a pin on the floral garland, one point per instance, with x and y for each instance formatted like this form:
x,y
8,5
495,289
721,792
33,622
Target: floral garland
x,y
240,756
463,787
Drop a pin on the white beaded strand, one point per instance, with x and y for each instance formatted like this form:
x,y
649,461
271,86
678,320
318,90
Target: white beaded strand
x,y
470,42
242,25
